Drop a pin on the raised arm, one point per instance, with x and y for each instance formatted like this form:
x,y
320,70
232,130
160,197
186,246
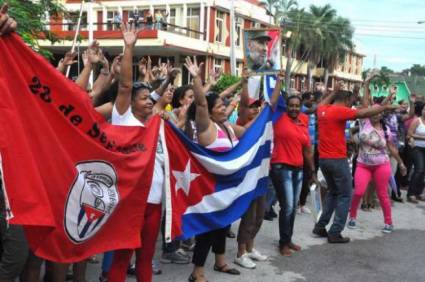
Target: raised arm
x,y
390,98
411,112
90,57
277,89
125,84
102,83
366,100
171,75
369,112
213,77
202,118
66,61
7,24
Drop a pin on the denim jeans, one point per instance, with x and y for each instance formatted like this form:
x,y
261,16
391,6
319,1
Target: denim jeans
x,y
417,182
287,182
338,197
270,196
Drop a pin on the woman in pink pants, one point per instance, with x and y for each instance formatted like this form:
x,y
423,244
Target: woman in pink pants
x,y
373,163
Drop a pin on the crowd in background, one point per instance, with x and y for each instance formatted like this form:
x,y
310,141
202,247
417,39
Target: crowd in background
x,y
351,146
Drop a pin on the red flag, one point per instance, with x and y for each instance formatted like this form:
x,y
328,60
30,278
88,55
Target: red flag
x,y
78,184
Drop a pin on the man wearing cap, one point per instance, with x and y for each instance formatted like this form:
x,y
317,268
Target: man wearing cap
x,y
257,46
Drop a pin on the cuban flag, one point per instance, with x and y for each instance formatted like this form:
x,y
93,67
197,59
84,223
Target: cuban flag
x,y
207,190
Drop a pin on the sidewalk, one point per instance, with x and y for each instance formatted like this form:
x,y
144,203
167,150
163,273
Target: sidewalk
x,y
371,256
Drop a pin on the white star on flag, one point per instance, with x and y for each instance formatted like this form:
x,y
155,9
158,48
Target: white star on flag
x,y
184,178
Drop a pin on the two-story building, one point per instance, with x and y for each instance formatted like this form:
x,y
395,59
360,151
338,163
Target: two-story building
x,y
183,28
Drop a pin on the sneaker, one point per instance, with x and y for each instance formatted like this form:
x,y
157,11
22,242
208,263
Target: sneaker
x,y
320,232
388,228
256,255
352,223
188,245
305,210
174,257
245,261
183,253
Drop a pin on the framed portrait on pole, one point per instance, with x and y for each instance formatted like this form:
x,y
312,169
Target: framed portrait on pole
x,y
263,50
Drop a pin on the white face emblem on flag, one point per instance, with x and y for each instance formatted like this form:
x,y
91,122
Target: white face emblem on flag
x,y
91,201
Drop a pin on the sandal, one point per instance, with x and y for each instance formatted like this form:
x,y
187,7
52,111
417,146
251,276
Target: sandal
x,y
225,269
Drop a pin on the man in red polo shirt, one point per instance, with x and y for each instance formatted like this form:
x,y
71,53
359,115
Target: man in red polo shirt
x,y
331,119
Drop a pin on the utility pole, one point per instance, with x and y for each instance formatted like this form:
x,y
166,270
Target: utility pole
x,y
232,38
90,30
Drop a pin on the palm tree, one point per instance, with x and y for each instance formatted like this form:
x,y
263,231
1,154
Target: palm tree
x,y
338,42
319,25
296,42
279,8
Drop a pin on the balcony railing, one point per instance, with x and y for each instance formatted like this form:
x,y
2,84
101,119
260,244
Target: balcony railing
x,y
68,28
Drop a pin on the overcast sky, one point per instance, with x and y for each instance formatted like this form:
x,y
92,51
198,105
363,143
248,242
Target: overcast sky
x,y
385,28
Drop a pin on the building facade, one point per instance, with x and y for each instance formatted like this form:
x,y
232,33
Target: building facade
x,y
187,28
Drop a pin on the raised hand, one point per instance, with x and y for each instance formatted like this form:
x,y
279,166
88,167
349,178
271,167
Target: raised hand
x,y
393,90
245,74
371,74
214,76
94,53
7,24
129,34
193,67
116,66
69,58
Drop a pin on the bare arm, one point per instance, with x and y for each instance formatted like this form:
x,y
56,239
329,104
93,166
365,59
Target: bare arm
x,y
171,75
276,91
83,78
228,91
202,119
244,98
68,60
412,129
368,112
394,153
411,112
389,99
309,157
125,83
7,24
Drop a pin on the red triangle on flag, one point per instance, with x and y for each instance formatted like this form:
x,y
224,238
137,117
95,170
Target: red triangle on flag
x,y
92,212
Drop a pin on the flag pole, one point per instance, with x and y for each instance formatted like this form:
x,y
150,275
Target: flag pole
x,y
77,31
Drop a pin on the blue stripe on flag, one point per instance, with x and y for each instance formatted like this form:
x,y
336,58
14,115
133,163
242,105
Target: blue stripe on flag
x,y
232,180
198,223
250,137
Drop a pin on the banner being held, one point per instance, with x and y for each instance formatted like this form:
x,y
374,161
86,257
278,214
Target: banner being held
x,y
78,184
208,190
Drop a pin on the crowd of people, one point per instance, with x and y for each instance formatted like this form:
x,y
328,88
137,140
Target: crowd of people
x,y
361,145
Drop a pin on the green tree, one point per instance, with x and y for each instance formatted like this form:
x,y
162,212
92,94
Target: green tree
x,y
296,42
417,69
319,26
337,42
33,18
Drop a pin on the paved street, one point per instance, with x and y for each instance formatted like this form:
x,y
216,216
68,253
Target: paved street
x,y
372,256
